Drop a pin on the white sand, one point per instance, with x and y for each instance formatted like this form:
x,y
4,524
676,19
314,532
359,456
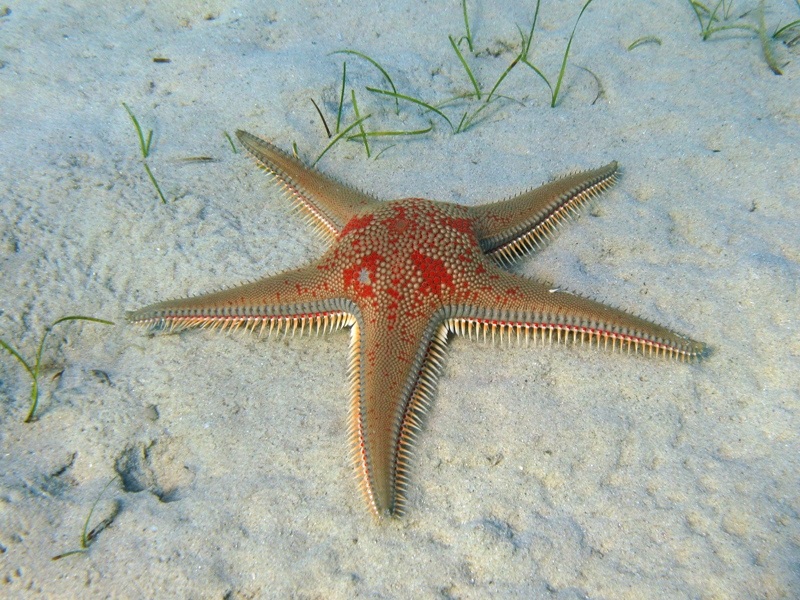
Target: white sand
x,y
556,472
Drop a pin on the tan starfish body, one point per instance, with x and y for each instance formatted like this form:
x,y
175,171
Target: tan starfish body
x,y
404,275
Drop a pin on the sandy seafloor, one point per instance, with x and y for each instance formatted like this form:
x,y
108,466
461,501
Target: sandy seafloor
x,y
553,472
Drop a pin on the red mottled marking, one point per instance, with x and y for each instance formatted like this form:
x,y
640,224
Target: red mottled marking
x,y
399,222
355,224
435,275
360,277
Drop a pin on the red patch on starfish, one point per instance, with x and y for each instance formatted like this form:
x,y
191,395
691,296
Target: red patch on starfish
x,y
435,276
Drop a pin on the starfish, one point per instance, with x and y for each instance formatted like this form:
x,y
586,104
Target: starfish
x,y
404,275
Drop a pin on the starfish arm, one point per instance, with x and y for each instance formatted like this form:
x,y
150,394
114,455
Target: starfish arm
x,y
509,229
301,298
329,203
393,376
523,308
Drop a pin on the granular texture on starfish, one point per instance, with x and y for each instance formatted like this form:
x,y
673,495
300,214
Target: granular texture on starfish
x,y
404,275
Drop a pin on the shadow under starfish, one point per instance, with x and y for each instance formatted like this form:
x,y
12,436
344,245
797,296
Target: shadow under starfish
x,y
404,275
